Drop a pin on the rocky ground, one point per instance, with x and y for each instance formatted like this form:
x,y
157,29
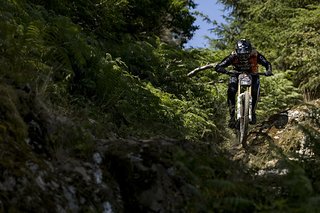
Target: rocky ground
x,y
157,175
284,148
283,134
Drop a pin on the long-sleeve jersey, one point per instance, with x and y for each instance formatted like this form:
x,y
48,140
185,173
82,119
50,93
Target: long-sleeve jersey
x,y
250,65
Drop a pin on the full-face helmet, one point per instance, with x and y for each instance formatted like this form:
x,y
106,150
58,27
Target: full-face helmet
x,y
243,49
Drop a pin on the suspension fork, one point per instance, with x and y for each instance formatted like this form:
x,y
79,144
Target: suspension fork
x,y
239,100
240,97
250,103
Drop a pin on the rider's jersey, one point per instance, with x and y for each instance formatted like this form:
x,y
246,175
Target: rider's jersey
x,y
250,65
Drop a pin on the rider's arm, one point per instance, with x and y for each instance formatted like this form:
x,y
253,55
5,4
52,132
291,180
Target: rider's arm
x,y
263,61
227,61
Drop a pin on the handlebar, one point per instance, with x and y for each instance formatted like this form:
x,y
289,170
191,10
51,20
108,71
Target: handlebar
x,y
232,72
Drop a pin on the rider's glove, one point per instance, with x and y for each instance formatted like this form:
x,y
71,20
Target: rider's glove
x,y
221,70
268,73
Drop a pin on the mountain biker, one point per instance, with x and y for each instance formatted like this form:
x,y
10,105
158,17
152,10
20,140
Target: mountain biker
x,y
244,59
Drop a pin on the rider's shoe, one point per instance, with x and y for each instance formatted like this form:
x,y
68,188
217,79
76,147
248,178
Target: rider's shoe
x,y
254,119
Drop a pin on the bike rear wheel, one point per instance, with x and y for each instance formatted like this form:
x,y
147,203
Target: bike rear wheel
x,y
244,119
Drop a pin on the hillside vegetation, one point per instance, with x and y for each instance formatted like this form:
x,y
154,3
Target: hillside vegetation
x,y
97,113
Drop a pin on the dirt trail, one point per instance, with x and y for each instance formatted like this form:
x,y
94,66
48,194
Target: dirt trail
x,y
278,141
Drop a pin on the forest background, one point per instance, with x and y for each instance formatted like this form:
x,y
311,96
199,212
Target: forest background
x,y
127,59
118,68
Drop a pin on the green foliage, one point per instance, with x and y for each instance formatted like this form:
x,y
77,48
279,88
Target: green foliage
x,y
80,66
166,18
298,185
116,69
285,31
141,18
212,173
305,54
277,94
80,142
195,104
62,50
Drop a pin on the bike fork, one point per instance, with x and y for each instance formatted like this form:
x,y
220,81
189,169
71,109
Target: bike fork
x,y
239,102
250,104
250,108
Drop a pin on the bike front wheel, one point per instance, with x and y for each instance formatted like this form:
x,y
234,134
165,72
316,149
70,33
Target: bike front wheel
x,y
244,119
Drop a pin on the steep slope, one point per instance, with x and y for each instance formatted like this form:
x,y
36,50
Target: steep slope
x,y
283,154
293,133
51,162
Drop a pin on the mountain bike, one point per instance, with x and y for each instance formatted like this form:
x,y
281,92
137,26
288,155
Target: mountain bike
x,y
243,110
